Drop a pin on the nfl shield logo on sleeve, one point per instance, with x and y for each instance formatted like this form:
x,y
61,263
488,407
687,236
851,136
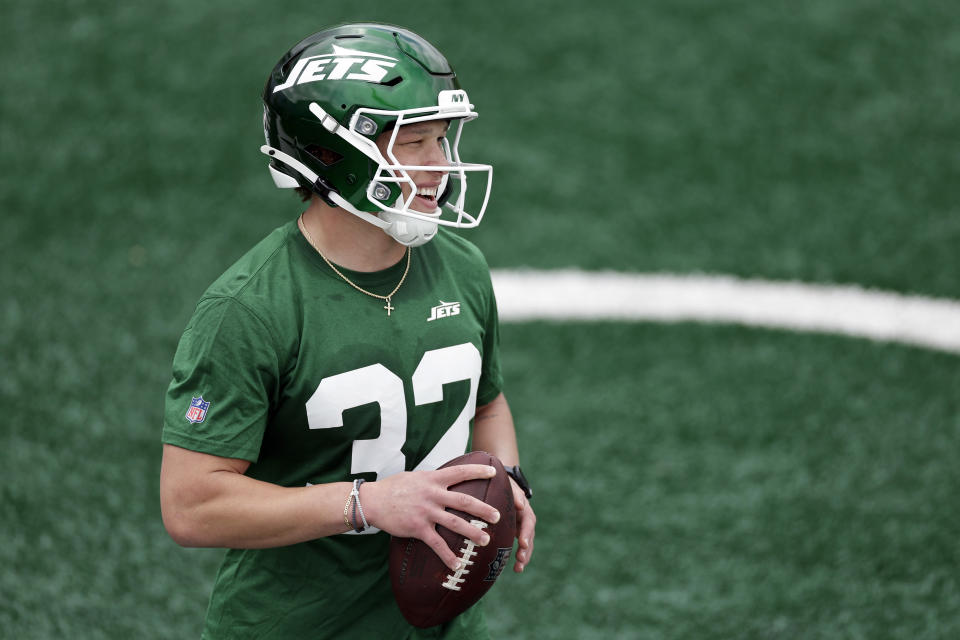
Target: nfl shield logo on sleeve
x,y
198,410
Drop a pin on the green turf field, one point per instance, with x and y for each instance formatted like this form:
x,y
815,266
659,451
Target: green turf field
x,y
692,481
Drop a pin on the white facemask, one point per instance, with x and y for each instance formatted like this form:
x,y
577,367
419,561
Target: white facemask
x,y
403,224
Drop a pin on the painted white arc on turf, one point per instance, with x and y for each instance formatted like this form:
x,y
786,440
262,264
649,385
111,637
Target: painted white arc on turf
x,y
524,295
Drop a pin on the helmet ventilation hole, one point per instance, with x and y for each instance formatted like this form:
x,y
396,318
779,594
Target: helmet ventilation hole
x,y
326,157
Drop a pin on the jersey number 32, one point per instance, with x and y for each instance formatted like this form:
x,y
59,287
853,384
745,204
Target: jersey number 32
x,y
376,383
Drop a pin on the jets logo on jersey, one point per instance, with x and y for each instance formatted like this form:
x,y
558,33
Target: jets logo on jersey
x,y
444,310
342,64
198,409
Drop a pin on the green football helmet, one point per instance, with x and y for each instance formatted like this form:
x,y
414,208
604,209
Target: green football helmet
x,y
330,97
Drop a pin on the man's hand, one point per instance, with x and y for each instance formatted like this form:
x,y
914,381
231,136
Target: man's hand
x,y
411,504
526,527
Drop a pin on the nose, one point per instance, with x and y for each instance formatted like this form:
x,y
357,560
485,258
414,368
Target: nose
x,y
436,155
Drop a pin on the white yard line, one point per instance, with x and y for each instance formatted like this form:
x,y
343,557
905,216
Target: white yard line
x,y
524,295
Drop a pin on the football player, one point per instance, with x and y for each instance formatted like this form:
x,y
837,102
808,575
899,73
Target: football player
x,y
326,375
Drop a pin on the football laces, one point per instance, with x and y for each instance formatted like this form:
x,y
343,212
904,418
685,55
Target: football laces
x,y
455,579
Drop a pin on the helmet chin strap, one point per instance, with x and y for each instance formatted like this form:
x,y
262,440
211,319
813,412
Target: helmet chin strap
x,y
409,232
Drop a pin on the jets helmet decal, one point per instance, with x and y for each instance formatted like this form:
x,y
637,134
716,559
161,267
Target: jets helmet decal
x,y
333,94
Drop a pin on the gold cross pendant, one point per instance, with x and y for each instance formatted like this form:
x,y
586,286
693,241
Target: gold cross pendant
x,y
388,307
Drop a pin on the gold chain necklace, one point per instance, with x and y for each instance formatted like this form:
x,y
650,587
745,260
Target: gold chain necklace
x,y
389,307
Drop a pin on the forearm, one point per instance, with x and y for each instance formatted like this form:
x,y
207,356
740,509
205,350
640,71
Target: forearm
x,y
250,514
494,432
207,501
221,507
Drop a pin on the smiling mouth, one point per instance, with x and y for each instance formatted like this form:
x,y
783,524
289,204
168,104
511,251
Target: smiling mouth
x,y
428,194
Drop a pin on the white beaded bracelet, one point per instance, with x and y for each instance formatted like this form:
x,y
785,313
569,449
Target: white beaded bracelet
x,y
355,495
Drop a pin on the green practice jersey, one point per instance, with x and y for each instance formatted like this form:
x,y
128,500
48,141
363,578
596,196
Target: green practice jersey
x,y
286,365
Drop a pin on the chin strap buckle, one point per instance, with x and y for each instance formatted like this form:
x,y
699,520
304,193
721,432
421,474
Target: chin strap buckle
x,y
323,189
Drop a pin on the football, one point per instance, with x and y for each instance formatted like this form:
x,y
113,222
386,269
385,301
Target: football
x,y
426,590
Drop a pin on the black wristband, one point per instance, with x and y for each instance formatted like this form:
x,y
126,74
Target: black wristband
x,y
517,474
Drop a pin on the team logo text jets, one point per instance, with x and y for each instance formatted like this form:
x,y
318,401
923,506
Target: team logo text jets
x,y
444,310
342,64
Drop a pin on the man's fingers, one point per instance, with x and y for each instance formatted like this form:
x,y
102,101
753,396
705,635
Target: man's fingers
x,y
435,498
524,545
448,557
471,505
462,472
523,557
526,531
528,524
463,528
519,497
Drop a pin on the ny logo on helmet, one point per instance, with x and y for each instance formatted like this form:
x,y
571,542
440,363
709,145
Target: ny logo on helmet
x,y
342,64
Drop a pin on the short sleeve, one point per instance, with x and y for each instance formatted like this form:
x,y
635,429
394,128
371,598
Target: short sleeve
x,y
491,379
225,380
